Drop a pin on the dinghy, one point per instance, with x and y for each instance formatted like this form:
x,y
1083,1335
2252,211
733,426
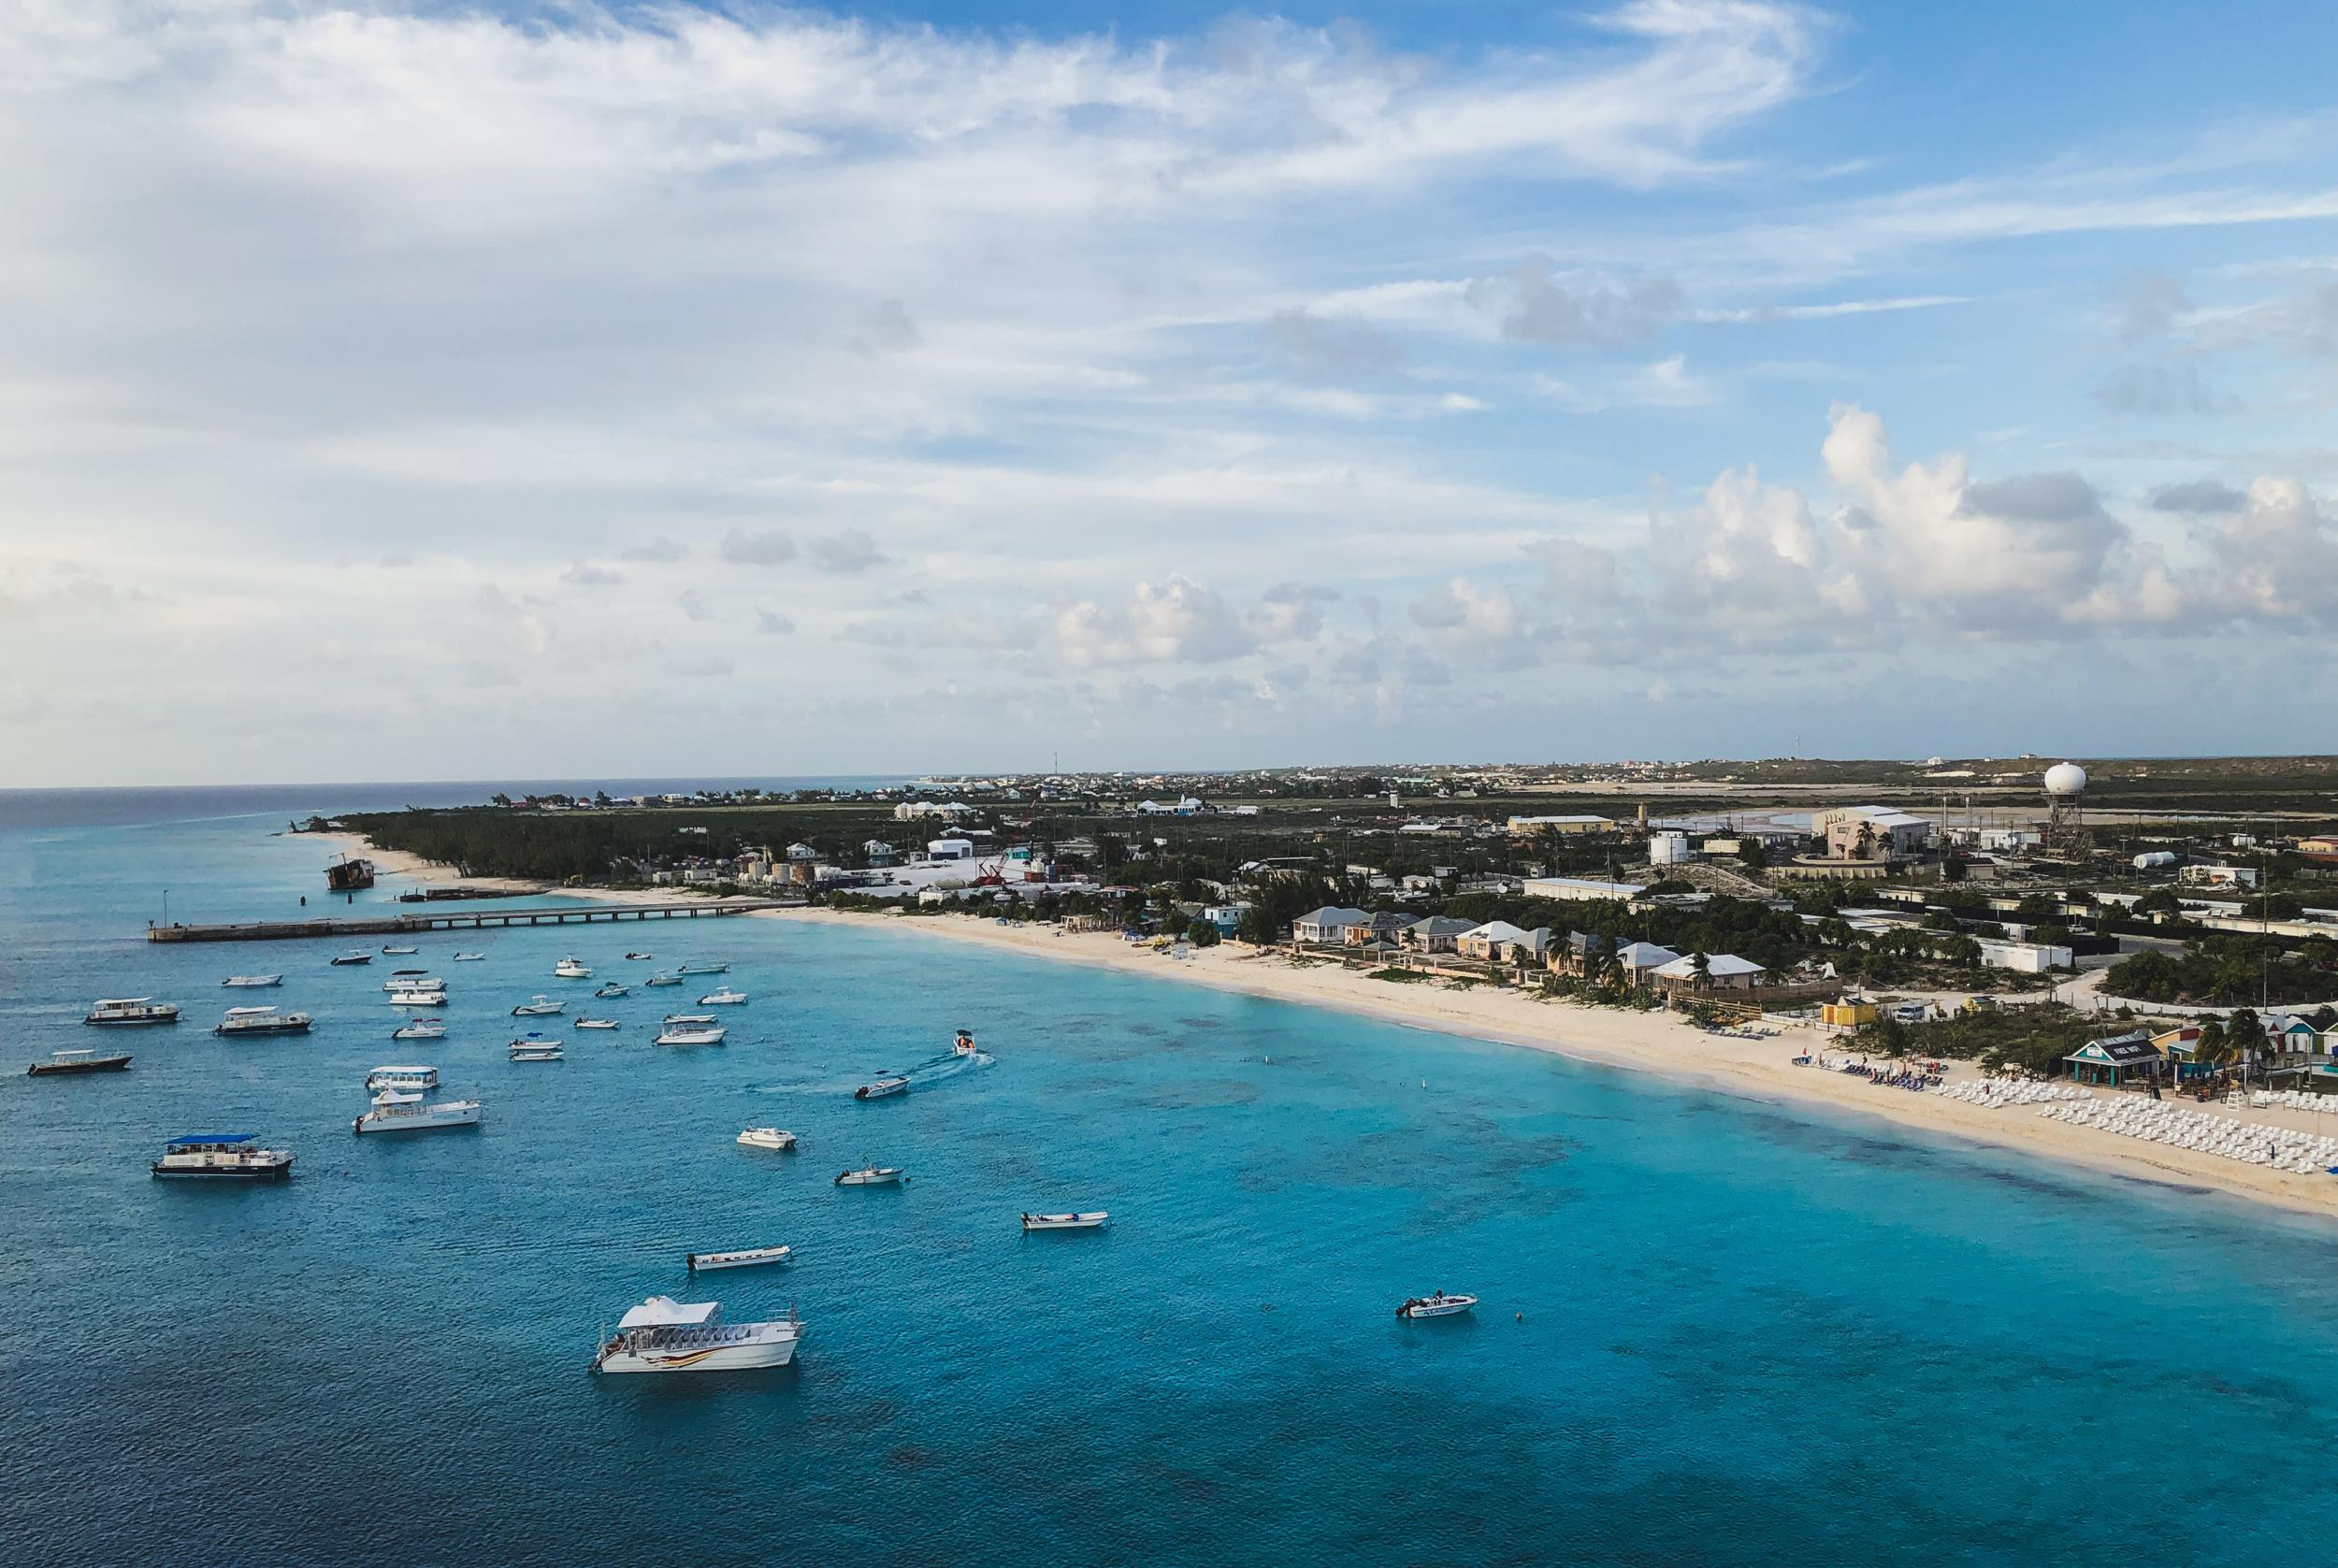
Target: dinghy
x,y
743,1257
1093,1219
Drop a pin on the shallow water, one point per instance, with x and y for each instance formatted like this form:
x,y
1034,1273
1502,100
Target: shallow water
x,y
1749,1334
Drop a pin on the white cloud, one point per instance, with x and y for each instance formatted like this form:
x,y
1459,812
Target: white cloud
x,y
850,551
768,548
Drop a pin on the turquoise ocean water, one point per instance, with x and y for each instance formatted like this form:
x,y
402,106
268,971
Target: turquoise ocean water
x,y
1749,1334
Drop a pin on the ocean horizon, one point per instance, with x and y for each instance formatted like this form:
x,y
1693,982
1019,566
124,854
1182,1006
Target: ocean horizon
x,y
1712,1330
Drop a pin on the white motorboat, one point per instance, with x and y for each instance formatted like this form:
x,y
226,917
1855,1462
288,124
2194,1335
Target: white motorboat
x,y
1092,1219
662,978
702,968
467,957
666,1336
412,1079
611,988
741,1258
349,958
78,1058
420,1028
412,979
253,982
964,1045
132,1009
774,1138
871,1176
884,1088
261,1020
724,997
1437,1304
539,1006
573,969
596,1023
408,1111
536,1047
690,1029
638,958
421,998
220,1155
399,951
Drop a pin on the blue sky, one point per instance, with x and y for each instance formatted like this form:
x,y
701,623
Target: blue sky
x,y
431,389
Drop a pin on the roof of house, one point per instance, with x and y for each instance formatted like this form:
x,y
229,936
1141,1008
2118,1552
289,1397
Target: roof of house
x,y
1716,965
2121,1050
1330,914
1496,930
1442,925
1644,954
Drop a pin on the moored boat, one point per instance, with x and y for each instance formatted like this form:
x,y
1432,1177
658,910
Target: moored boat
x,y
702,968
261,1020
539,1006
418,996
884,1088
596,1023
690,1029
724,997
411,1111
611,988
399,950
740,1258
253,982
662,978
420,1028
776,1138
536,1047
573,969
83,1058
413,980
220,1155
413,1078
666,1336
1092,1219
467,957
347,876
352,958
1437,1304
132,1009
638,958
871,1176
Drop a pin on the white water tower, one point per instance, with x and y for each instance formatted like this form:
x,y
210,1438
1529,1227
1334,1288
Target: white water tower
x,y
2066,817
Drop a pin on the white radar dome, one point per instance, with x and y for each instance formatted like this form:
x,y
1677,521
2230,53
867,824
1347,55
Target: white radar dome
x,y
2066,778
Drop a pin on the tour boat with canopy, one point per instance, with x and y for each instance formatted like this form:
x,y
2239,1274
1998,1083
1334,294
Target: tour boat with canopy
x,y
261,1020
690,1029
83,1058
399,1075
132,1009
220,1157
409,1110
666,1336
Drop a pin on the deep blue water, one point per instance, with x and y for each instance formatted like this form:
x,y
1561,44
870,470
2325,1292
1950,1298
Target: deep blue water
x,y
1748,1336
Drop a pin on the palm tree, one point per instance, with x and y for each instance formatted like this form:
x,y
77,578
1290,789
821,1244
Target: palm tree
x,y
1703,967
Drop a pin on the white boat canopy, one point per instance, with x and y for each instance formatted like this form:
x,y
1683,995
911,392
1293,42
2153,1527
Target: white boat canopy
x,y
664,1312
397,1097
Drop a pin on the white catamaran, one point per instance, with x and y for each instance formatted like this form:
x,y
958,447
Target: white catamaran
x,y
666,1336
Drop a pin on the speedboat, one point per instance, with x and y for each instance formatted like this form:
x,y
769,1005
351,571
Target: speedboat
x,y
573,969
352,958
132,1010
596,1023
540,1006
467,957
1092,1219
220,1155
419,995
742,1258
400,952
253,982
408,1111
536,1047
666,1336
871,1176
611,988
638,958
81,1058
703,969
420,1028
413,1080
724,997
774,1138
882,1090
662,978
1438,1304
690,1029
964,1045
261,1020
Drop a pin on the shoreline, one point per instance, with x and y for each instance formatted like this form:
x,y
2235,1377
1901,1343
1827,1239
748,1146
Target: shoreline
x,y
1657,1042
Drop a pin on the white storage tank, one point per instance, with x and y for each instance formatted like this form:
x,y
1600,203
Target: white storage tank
x,y
1667,849
2156,860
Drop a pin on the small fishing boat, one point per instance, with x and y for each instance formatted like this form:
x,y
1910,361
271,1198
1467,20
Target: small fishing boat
x,y
539,1006
742,1258
871,1176
420,1028
638,958
884,1088
611,988
690,1029
1438,1304
132,1009
83,1058
467,957
768,1137
401,951
220,1155
964,1045
666,1336
724,997
408,1111
412,1079
253,982
596,1023
703,969
419,995
573,969
662,978
1092,1219
536,1047
261,1020
352,958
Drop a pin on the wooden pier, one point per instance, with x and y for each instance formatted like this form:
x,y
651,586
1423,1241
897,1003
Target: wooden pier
x,y
467,920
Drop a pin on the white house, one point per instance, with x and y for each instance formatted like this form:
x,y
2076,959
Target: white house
x,y
1724,972
1498,940
2028,958
1328,924
1580,889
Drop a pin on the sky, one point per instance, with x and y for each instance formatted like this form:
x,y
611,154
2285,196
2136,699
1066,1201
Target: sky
x,y
426,390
